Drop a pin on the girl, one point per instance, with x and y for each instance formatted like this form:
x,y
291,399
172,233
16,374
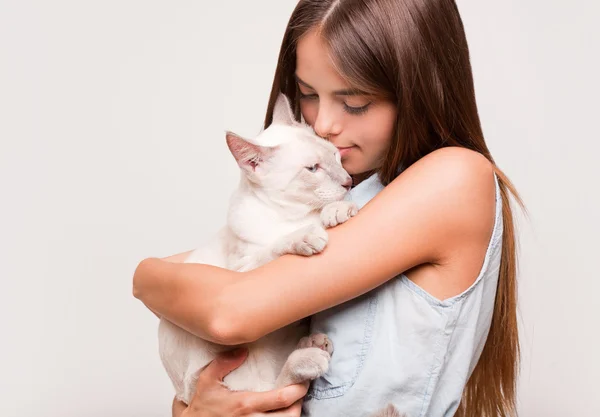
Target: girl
x,y
418,291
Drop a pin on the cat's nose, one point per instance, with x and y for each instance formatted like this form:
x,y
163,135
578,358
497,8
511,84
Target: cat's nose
x,y
348,183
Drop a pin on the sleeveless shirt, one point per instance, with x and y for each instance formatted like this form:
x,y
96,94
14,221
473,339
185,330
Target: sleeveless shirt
x,y
399,344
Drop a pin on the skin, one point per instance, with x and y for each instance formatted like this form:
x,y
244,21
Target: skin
x,y
432,223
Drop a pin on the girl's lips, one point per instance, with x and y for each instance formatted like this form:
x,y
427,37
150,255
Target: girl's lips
x,y
344,151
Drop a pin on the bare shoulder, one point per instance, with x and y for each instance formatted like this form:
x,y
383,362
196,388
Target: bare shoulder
x,y
456,190
463,181
457,160
463,176
460,180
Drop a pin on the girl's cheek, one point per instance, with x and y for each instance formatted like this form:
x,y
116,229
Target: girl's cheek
x,y
309,112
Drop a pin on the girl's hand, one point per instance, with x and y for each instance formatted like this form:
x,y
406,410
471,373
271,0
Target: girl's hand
x,y
214,400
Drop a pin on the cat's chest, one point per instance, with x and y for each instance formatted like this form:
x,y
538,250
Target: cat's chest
x,y
264,232
262,226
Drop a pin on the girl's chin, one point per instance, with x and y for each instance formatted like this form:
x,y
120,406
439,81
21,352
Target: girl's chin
x,y
354,172
353,166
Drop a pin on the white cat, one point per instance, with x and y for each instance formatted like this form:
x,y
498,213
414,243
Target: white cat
x,y
292,186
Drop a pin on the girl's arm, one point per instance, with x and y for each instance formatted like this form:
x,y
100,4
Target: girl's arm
x,y
440,205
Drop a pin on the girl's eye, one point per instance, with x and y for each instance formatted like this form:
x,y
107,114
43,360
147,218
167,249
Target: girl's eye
x,y
356,110
308,96
313,168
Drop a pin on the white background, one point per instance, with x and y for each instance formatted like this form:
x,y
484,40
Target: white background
x,y
112,149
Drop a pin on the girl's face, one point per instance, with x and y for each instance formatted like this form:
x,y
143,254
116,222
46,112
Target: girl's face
x,y
360,126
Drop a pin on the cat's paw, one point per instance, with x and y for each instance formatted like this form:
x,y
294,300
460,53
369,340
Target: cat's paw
x,y
338,212
318,340
307,364
307,241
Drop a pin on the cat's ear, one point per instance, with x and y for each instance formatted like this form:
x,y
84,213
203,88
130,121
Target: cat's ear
x,y
282,112
247,154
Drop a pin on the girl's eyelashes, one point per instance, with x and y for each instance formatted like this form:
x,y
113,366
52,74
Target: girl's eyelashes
x,y
307,96
348,109
356,110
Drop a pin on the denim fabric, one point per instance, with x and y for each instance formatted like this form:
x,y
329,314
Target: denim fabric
x,y
398,344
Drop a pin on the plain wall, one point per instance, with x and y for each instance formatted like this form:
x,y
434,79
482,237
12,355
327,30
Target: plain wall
x,y
112,120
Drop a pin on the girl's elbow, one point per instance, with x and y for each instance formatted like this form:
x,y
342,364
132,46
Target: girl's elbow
x,y
226,330
228,322
139,281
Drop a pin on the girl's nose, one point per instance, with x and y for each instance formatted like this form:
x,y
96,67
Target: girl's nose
x,y
326,124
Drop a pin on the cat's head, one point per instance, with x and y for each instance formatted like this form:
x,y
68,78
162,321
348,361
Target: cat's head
x,y
290,163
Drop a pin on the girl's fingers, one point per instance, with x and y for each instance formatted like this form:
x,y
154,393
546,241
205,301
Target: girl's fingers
x,y
223,365
294,411
277,399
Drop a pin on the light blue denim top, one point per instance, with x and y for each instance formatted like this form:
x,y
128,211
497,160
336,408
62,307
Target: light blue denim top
x,y
398,344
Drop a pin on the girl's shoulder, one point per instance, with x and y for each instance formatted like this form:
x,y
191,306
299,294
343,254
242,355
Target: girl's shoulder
x,y
461,180
459,188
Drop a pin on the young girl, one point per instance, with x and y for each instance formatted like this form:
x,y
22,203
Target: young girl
x,y
418,291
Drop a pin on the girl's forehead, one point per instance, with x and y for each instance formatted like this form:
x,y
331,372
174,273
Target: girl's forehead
x,y
314,65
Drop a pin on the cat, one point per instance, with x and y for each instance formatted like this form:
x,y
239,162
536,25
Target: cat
x,y
292,186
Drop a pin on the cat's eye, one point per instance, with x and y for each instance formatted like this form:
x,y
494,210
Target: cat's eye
x,y
313,168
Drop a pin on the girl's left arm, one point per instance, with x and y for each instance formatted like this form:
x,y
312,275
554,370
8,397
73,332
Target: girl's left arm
x,y
444,199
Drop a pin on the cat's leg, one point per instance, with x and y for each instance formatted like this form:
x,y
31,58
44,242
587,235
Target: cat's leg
x,y
303,365
305,241
389,411
310,360
338,212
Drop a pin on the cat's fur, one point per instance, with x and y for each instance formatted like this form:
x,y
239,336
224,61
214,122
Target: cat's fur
x,y
292,183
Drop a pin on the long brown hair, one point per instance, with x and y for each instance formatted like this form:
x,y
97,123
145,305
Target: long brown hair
x,y
415,53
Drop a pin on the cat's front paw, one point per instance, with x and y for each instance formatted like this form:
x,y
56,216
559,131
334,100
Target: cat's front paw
x,y
307,364
338,212
307,241
318,340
